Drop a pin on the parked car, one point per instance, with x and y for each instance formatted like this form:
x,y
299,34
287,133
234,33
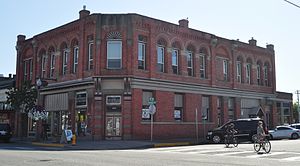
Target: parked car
x,y
246,129
281,132
5,132
295,125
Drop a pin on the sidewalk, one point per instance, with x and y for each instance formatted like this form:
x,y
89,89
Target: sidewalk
x,y
114,144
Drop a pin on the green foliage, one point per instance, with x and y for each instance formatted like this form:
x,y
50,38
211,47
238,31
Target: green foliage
x,y
22,99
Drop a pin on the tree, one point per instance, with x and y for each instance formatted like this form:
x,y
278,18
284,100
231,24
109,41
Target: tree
x,y
295,112
22,99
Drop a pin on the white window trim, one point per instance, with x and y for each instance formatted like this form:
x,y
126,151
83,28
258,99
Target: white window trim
x,y
203,69
190,54
75,58
225,69
248,73
143,53
163,57
90,55
114,41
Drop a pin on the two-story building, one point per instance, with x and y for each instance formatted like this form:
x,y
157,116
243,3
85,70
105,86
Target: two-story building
x,y
102,69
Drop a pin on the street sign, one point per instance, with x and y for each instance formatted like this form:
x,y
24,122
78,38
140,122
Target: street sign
x,y
152,109
151,101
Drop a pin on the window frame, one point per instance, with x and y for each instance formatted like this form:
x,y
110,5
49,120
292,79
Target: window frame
x,y
65,61
44,63
239,71
175,65
90,55
110,41
225,69
160,60
75,58
258,74
202,59
248,73
190,67
52,64
142,55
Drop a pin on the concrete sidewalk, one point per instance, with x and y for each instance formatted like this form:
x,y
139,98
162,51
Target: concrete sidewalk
x,y
114,144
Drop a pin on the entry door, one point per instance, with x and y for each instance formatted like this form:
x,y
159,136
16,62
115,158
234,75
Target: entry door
x,y
113,127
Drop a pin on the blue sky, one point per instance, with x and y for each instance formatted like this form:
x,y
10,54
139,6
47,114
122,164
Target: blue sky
x,y
268,21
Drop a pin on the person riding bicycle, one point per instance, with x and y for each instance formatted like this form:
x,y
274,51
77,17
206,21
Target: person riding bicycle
x,y
261,134
230,131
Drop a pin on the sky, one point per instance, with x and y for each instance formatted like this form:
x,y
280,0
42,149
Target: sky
x,y
267,21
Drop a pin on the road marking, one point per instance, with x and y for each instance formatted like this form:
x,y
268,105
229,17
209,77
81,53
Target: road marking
x,y
232,153
265,155
291,158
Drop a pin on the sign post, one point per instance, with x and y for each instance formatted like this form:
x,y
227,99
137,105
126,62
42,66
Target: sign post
x,y
152,110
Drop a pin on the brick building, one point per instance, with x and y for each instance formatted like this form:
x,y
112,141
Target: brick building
x,y
102,69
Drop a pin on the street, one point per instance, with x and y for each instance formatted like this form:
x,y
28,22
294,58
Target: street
x,y
284,152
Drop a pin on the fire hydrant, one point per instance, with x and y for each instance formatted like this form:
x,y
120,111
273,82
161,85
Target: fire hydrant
x,y
73,139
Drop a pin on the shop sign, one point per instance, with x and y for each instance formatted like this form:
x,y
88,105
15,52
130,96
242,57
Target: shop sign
x,y
81,99
113,100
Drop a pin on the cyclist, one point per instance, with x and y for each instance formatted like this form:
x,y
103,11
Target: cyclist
x,y
261,134
230,131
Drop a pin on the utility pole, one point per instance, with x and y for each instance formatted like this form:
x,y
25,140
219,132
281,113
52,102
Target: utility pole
x,y
298,92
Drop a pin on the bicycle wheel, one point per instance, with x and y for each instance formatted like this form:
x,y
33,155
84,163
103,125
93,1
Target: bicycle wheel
x,y
256,146
226,141
235,142
267,146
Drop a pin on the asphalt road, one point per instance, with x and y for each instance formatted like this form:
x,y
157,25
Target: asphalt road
x,y
284,152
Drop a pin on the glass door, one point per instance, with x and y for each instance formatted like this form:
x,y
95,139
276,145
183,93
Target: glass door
x,y
113,127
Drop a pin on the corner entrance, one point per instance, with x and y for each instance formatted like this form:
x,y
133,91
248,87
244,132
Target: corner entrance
x,y
113,118
113,127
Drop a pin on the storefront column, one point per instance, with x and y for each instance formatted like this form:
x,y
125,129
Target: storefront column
x,y
98,120
126,114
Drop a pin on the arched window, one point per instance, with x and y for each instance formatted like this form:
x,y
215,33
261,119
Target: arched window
x,y
161,45
190,62
248,71
175,57
65,58
43,63
51,52
203,63
266,74
75,53
258,73
239,64
114,50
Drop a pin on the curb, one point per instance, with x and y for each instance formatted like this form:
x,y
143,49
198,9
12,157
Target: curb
x,y
158,145
48,144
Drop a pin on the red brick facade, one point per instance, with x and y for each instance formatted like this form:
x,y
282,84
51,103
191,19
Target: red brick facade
x,y
97,80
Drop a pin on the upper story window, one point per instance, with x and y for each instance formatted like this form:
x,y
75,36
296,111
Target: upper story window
x,y
90,55
44,62
258,75
175,61
190,63
52,64
266,74
75,59
114,50
142,41
248,73
239,71
225,70
160,48
202,58
160,58
28,69
65,61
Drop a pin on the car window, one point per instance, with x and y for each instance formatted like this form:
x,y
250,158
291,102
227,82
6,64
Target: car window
x,y
283,128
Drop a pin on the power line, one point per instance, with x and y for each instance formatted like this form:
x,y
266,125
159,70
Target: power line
x,y
292,3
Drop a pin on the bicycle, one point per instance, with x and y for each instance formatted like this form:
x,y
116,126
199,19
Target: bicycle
x,y
264,144
231,140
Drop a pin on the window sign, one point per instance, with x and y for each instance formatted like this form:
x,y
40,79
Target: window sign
x,y
81,99
145,114
177,114
113,100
